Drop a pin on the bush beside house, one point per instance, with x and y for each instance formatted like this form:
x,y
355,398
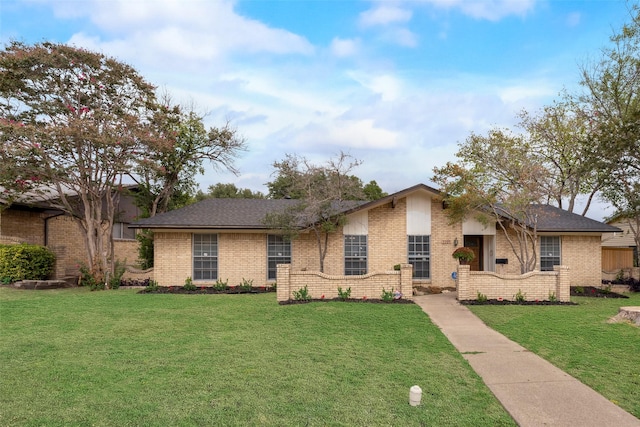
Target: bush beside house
x,y
25,262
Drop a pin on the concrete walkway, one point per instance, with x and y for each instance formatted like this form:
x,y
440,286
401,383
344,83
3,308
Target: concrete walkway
x,y
532,390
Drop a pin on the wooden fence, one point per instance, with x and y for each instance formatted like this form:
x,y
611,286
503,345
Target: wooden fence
x,y
614,259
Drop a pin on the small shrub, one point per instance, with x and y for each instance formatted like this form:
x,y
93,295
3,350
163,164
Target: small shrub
x,y
386,296
302,294
188,285
344,295
220,285
89,280
397,267
246,285
553,297
520,297
152,286
118,271
578,290
274,286
481,297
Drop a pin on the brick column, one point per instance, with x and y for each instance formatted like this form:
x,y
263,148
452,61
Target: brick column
x,y
406,281
462,283
283,280
563,293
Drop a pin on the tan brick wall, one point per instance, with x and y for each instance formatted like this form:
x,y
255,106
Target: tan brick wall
x,y
387,241
26,226
172,258
582,255
66,242
241,256
126,250
504,250
366,286
534,285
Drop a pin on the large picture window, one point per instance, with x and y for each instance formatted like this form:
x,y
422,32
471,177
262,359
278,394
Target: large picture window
x,y
278,252
419,256
549,252
355,255
205,257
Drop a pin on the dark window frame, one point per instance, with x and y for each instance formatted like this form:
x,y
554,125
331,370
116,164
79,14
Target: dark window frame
x,y
355,254
278,252
205,257
419,255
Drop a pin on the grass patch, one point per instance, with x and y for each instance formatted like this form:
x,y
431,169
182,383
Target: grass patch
x,y
578,340
73,357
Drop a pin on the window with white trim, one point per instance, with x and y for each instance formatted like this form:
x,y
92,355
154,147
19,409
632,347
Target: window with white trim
x,y
205,257
278,252
549,252
419,256
355,255
121,231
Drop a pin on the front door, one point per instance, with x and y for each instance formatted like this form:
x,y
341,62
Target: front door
x,y
475,244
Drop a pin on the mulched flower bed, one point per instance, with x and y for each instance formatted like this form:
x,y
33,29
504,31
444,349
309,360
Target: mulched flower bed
x,y
578,291
506,302
591,291
361,300
207,290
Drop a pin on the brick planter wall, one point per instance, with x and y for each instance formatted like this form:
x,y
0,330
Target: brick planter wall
x,y
536,285
368,285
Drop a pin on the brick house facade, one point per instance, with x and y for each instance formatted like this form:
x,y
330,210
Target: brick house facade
x,y
37,224
224,239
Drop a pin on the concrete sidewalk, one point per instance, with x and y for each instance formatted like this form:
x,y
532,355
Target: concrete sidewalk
x,y
532,390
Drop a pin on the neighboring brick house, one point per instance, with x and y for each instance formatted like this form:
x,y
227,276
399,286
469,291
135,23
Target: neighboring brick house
x,y
226,239
36,223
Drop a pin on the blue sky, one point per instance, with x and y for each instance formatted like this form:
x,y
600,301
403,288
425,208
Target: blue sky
x,y
396,84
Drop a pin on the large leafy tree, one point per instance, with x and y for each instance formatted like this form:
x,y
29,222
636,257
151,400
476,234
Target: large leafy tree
x,y
611,95
166,175
324,192
73,123
231,191
497,180
560,138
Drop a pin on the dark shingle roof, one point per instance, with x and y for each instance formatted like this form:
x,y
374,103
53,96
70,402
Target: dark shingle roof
x,y
218,213
250,213
552,219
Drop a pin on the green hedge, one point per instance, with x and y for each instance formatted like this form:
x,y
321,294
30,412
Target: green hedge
x,y
25,262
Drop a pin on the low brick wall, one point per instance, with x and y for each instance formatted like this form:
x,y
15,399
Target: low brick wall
x,y
368,285
136,274
536,285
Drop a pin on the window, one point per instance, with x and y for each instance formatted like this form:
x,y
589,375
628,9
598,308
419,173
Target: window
x,y
549,252
205,256
121,231
278,252
419,256
355,255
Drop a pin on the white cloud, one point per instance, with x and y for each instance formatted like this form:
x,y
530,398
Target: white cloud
x,y
492,10
573,19
344,47
384,15
173,32
387,86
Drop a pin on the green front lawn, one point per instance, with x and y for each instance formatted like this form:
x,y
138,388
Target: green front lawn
x,y
73,357
578,340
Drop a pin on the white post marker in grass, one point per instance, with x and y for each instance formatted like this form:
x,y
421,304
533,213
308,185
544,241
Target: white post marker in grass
x,y
415,394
